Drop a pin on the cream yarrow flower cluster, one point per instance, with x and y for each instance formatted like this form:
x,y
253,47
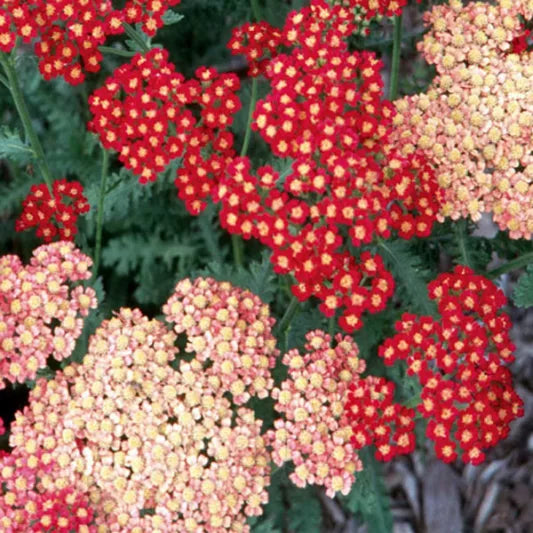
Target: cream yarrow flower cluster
x,y
314,433
138,430
475,121
230,331
41,308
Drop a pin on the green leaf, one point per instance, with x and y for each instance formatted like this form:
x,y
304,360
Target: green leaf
x,y
258,278
473,252
375,329
302,323
523,292
127,252
90,323
12,193
368,496
409,275
209,229
305,511
13,148
273,511
267,526
171,17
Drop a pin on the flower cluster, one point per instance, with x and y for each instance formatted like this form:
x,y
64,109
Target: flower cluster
x,y
314,433
31,502
53,212
376,419
139,430
345,184
459,361
258,42
474,123
145,112
230,331
41,308
68,33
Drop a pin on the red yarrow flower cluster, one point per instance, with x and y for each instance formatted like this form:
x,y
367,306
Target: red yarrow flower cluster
x,y
310,252
41,308
314,433
345,184
69,32
258,42
377,420
467,392
230,332
31,502
146,111
54,214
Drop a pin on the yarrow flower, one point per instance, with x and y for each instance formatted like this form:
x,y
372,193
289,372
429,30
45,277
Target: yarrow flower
x,y
377,420
31,502
41,308
467,392
69,32
55,213
475,120
145,112
138,430
230,331
314,432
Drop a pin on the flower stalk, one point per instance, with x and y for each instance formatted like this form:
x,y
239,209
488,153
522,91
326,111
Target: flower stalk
x,y
396,52
100,216
22,110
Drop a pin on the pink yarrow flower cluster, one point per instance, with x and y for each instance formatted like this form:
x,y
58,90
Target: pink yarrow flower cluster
x,y
314,433
474,123
137,428
230,331
41,308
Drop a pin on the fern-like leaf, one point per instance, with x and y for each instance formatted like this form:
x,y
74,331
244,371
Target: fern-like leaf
x,y
368,496
409,275
13,148
305,511
523,292
258,278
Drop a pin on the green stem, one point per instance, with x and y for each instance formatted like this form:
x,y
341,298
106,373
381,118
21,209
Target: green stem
x,y
460,229
3,81
283,324
515,264
256,11
22,109
386,43
236,243
100,216
332,323
116,51
396,51
134,36
248,134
